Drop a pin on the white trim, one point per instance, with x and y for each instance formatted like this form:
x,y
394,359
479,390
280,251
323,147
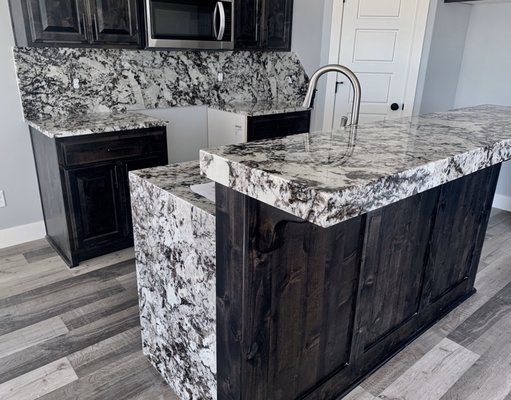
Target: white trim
x,y
502,202
419,37
428,37
21,234
336,12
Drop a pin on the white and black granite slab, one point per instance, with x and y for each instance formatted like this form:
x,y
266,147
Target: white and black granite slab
x,y
261,107
114,80
174,232
86,124
329,177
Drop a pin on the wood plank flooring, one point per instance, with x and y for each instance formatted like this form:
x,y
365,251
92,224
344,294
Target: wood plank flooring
x,y
75,334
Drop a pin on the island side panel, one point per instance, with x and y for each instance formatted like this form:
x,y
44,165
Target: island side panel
x,y
286,293
306,312
175,261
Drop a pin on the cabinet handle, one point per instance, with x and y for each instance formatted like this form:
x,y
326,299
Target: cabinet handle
x,y
95,32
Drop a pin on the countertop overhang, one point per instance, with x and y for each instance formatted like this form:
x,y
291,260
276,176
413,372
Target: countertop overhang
x,y
329,177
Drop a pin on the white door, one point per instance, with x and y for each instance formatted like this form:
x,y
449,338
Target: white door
x,y
376,43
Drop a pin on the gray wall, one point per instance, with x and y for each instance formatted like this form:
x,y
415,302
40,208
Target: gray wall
x,y
308,32
17,171
485,75
311,40
445,57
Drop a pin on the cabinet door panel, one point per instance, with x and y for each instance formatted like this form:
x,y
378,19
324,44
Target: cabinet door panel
x,y
393,271
127,166
277,24
247,29
97,208
115,21
458,233
57,21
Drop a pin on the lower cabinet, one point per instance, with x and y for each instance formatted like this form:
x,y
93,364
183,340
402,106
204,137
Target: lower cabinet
x,y
84,188
231,128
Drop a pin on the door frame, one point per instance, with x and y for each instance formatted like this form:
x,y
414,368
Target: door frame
x,y
420,50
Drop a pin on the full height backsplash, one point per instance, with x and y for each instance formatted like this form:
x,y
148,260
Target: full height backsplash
x,y
119,80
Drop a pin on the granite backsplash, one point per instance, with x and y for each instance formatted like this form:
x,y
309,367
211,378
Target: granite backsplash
x,y
120,80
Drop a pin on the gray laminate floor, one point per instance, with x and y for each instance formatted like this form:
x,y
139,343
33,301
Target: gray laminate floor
x,y
74,334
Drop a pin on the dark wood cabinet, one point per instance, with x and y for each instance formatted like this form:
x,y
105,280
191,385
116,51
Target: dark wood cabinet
x,y
263,24
115,21
247,24
96,202
277,24
77,22
275,125
305,312
84,188
56,21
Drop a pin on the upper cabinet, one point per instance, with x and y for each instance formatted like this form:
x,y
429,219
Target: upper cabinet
x,y
115,21
264,24
76,22
56,21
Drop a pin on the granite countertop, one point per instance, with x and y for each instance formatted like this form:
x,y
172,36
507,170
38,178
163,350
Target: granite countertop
x,y
86,124
93,123
176,179
261,107
329,177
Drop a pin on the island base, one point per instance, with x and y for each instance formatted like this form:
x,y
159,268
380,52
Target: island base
x,y
305,312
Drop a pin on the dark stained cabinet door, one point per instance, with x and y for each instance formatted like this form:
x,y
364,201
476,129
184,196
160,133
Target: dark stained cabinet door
x,y
97,208
263,24
115,21
62,21
277,24
247,24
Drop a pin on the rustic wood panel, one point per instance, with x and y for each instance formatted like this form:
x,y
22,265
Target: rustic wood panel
x,y
463,212
296,278
229,288
378,271
393,269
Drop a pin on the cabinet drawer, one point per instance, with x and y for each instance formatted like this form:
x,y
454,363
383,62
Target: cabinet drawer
x,y
272,126
106,147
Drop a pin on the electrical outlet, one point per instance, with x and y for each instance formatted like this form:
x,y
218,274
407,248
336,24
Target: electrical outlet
x,y
76,83
2,199
220,77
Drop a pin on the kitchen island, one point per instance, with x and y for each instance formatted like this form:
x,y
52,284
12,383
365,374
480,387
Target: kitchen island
x,y
335,250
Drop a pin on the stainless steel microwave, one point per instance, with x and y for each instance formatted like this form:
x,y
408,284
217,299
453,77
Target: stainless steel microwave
x,y
190,24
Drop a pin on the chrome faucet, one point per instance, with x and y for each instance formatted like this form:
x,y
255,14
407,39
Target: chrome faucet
x,y
357,91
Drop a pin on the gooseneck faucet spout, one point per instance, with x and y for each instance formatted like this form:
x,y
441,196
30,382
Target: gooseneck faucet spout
x,y
355,83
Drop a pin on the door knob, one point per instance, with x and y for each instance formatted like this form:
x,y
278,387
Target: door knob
x,y
394,107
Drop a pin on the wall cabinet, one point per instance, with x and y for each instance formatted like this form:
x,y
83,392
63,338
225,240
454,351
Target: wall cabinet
x,y
84,188
264,24
77,22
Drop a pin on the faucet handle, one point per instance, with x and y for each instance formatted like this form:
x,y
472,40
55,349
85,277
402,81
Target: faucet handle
x,y
344,121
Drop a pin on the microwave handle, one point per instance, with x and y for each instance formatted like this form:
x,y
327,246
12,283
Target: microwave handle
x,y
220,7
215,14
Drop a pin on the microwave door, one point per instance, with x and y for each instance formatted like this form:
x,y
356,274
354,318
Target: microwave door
x,y
178,19
198,24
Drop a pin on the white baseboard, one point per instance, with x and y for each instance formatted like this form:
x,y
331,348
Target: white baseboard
x,y
21,234
502,202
